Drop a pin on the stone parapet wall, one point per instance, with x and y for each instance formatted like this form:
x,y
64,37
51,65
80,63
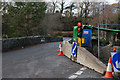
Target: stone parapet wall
x,y
11,43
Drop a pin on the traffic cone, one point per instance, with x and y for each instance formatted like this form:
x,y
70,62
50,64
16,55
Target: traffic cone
x,y
61,52
109,69
114,50
112,68
59,47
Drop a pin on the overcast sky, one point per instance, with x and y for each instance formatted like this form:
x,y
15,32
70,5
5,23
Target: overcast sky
x,y
110,1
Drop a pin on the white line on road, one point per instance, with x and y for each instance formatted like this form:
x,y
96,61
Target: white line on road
x,y
79,72
83,68
73,76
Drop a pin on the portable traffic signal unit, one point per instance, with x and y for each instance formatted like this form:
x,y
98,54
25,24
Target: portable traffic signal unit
x,y
82,36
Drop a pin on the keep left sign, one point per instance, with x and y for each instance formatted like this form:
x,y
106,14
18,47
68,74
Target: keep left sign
x,y
116,61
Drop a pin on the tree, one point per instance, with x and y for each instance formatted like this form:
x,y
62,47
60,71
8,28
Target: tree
x,y
62,6
22,19
81,10
51,23
86,11
51,7
71,7
54,6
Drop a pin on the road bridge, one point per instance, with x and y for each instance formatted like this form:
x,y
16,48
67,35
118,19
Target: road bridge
x,y
42,61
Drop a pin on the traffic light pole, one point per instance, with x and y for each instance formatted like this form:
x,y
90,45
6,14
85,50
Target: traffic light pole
x,y
98,43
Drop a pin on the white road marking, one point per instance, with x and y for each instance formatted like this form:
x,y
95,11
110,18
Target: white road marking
x,y
73,76
83,68
79,72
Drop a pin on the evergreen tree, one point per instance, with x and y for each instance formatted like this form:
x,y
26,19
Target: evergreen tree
x,y
23,19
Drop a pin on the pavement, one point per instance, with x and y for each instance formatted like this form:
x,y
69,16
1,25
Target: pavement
x,y
42,61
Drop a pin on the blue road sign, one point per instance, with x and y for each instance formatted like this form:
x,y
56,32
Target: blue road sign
x,y
74,48
116,61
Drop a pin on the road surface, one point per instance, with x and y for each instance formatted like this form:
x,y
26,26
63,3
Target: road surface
x,y
42,61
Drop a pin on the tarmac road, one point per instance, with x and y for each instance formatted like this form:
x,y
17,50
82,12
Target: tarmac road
x,y
42,61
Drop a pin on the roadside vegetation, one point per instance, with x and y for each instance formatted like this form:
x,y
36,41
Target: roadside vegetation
x,y
21,19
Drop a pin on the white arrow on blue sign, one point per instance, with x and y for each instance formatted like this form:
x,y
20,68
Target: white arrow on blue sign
x,y
116,61
74,48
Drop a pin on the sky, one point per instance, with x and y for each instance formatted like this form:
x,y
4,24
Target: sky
x,y
110,1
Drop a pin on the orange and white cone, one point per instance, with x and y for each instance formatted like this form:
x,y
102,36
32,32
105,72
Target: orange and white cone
x,y
61,52
109,69
112,68
59,47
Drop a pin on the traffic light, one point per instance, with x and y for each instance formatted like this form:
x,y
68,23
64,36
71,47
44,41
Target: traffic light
x,y
79,24
79,34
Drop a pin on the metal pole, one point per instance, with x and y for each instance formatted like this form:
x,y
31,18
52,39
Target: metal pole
x,y
98,44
